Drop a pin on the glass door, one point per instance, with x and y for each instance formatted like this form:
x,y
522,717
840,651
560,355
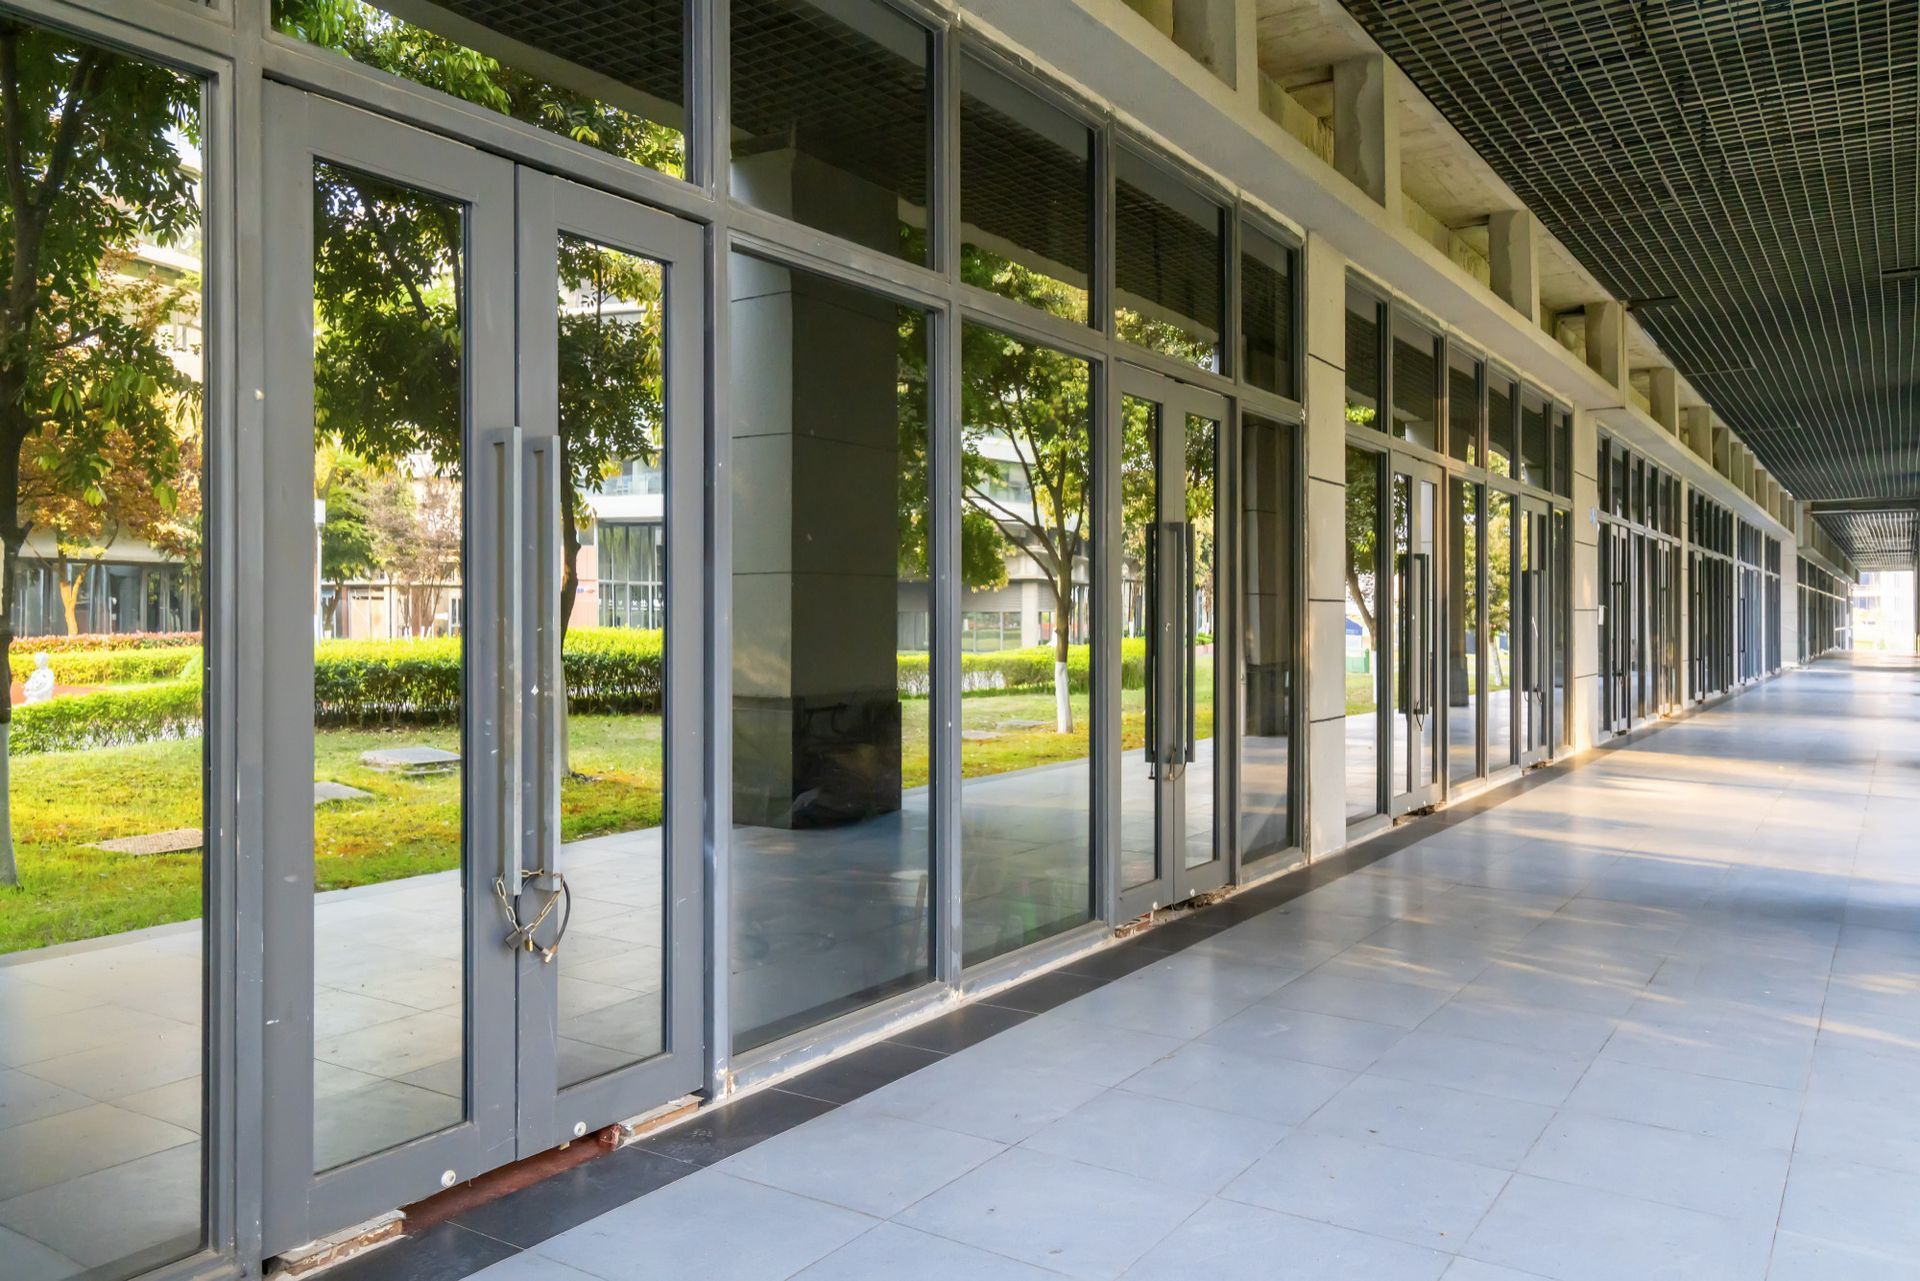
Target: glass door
x,y
1415,774
1533,610
477,377
1170,443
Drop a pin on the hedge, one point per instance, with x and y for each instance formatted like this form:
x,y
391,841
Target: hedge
x,y
107,718
108,667
1023,670
608,669
107,640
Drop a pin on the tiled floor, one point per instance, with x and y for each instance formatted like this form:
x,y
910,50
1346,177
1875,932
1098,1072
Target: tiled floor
x,y
1657,1017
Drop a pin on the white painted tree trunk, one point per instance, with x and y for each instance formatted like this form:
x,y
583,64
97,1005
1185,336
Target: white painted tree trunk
x,y
1062,697
9,874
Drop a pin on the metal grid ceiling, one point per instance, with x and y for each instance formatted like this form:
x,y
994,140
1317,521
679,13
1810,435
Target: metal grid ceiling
x,y
637,42
1875,540
1754,159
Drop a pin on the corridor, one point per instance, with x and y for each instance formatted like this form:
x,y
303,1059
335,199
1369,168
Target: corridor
x,y
1656,1016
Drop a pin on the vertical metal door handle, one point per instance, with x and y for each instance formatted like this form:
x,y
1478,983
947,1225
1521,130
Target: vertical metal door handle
x,y
549,692
505,445
1190,611
1151,586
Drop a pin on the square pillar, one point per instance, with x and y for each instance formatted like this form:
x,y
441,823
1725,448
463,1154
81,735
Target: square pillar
x,y
1513,254
1663,396
1698,421
1324,528
1607,343
1583,654
1366,128
1212,31
1723,451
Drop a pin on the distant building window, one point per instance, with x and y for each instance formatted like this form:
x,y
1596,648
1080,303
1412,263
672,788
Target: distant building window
x,y
632,569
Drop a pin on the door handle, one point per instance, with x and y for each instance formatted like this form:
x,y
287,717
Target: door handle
x,y
1151,586
1190,643
506,448
548,695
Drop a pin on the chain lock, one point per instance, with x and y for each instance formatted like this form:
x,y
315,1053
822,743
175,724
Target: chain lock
x,y
519,935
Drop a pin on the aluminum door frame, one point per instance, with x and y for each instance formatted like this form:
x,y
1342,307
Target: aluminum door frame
x,y
301,129
549,206
1173,881
1423,702
1532,597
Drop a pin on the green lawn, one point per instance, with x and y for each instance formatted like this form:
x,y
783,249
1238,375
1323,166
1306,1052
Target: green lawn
x,y
65,801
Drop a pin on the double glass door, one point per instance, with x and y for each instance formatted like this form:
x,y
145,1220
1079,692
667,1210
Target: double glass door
x,y
1533,626
1170,439
483,455
1413,714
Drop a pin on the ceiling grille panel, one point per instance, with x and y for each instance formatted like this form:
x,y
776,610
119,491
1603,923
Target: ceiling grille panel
x,y
1759,160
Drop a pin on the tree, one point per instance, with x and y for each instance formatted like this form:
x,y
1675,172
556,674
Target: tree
x,y
1363,546
87,383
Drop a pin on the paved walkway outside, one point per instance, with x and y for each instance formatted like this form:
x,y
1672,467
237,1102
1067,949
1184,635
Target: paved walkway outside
x,y
1659,1018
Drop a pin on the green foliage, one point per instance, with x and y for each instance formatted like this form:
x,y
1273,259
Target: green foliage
x,y
90,641
108,717
1023,670
419,682
123,666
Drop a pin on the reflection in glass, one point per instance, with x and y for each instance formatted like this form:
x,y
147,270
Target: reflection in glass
x,y
1463,632
1197,699
1026,715
1500,394
608,74
389,462
611,423
1502,748
101,794
1364,371
1362,630
1536,447
831,844
1266,312
1563,454
1416,385
831,119
1463,408
1169,288
1267,620
1142,629
1026,195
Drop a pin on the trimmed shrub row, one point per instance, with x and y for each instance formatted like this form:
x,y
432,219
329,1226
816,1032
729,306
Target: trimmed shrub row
x,y
107,718
109,667
1026,671
107,640
608,669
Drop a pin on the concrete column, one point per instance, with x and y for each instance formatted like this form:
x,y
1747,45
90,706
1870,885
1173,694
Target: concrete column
x,y
1366,128
1325,530
1513,253
1790,655
1686,597
1583,699
1607,343
1723,451
1663,394
1698,421
816,560
1220,36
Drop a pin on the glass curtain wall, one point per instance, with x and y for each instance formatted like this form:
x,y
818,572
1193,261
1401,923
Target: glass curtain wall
x,y
1268,625
1364,619
102,1028
831,848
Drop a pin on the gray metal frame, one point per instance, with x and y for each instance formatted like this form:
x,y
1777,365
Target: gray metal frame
x,y
1402,794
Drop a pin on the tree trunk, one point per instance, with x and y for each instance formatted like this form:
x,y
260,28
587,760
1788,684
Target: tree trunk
x,y
13,432
1062,631
69,595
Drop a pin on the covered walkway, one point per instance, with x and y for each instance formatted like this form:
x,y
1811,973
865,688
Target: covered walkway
x,y
1656,1015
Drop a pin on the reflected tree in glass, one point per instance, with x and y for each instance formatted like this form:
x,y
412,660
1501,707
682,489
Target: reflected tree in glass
x,y
94,409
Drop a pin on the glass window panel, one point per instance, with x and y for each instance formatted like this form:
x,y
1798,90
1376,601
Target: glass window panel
x,y
612,393
1536,450
1463,407
1266,312
1267,542
1500,397
1363,360
1168,261
389,454
1464,632
1144,562
1200,451
608,74
1562,452
1026,195
101,820
1502,747
1363,630
1416,384
831,847
832,119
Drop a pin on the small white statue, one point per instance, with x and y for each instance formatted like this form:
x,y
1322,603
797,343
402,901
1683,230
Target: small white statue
x,y
40,683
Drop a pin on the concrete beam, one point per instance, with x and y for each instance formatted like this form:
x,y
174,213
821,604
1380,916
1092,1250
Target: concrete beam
x,y
1663,394
1366,128
1698,420
1607,343
1513,254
